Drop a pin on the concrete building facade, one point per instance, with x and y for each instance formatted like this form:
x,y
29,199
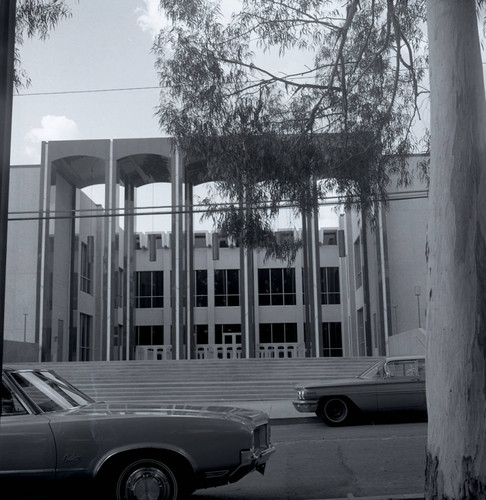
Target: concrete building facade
x,y
84,285
386,270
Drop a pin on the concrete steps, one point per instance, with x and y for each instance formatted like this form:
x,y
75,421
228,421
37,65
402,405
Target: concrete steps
x,y
193,381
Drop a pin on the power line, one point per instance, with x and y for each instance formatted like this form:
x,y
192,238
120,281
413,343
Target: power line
x,y
92,91
185,209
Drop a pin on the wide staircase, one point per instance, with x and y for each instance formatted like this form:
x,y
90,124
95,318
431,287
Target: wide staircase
x,y
191,381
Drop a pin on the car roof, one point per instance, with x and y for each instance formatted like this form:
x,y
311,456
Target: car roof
x,y
404,358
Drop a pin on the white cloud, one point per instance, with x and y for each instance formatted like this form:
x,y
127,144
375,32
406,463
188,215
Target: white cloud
x,y
52,128
150,18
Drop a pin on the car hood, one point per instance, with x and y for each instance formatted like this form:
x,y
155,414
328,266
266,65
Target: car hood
x,y
334,383
127,410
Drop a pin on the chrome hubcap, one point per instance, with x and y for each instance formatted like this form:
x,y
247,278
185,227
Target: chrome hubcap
x,y
336,410
148,483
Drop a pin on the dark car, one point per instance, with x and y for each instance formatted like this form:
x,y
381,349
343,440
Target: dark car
x,y
394,384
57,441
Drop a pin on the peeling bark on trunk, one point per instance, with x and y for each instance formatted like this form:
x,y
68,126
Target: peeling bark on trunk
x,y
456,312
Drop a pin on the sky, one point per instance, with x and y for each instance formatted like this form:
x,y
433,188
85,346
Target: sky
x,y
105,45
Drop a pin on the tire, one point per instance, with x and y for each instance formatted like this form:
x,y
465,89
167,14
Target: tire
x,y
146,479
335,411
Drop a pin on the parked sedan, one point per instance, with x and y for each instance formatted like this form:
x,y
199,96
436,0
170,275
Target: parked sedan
x,y
392,384
55,440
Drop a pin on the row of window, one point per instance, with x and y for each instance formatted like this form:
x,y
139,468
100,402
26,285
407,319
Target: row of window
x,y
269,333
276,287
156,241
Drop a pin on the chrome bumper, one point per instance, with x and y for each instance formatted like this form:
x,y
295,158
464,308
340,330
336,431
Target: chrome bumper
x,y
251,461
305,406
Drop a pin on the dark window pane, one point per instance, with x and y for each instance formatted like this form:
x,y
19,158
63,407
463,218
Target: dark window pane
x,y
278,333
220,301
144,303
291,332
219,287
218,334
202,282
144,335
290,300
158,302
202,335
233,282
277,300
201,301
263,281
276,281
289,280
265,333
233,300
158,335
264,300
158,282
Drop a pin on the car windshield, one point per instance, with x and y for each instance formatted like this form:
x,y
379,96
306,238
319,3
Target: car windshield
x,y
373,371
50,392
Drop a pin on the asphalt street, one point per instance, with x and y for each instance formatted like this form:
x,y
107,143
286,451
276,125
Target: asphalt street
x,y
314,461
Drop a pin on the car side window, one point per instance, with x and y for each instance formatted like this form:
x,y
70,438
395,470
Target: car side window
x,y
10,404
403,368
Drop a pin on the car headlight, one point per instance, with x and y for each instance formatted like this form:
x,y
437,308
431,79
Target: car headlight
x,y
261,438
301,394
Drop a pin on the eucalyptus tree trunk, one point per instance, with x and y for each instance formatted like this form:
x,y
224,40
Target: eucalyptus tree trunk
x,y
456,312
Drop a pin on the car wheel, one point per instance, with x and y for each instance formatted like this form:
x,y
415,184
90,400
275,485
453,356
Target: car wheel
x,y
147,479
335,411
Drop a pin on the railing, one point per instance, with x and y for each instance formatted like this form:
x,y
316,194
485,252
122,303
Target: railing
x,y
284,350
153,352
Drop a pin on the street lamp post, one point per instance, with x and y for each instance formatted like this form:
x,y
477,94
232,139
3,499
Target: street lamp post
x,y
418,291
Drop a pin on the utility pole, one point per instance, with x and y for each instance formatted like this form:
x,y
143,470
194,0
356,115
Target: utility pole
x,y
7,51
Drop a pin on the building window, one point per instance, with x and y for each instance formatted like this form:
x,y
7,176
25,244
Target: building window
x,y
284,237
149,292
357,263
330,286
200,240
332,345
278,333
86,269
276,287
226,287
329,238
150,335
202,334
85,323
201,297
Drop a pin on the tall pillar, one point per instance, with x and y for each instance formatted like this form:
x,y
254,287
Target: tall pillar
x,y
247,293
311,283
44,265
189,265
177,249
129,269
109,250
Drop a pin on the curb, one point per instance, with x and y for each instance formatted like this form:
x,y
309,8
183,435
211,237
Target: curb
x,y
292,420
412,496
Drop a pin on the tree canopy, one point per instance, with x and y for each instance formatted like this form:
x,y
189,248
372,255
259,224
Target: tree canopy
x,y
279,95
35,18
